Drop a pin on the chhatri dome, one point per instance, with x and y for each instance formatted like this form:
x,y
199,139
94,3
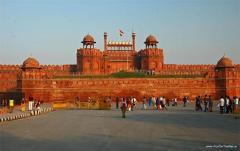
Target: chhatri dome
x,y
88,40
32,63
225,62
151,40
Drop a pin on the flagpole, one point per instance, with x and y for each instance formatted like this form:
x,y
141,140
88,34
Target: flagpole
x,y
127,60
121,34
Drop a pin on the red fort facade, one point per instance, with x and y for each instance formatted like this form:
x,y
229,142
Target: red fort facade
x,y
65,82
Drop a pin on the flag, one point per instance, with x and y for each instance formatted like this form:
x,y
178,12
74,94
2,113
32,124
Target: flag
x,y
121,32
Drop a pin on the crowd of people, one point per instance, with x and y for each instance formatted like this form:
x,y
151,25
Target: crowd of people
x,y
206,100
228,105
158,103
225,104
205,103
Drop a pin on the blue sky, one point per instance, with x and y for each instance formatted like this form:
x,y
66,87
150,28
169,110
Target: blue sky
x,y
189,31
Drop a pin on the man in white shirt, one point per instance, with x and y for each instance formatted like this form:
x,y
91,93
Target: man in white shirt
x,y
133,103
221,103
236,100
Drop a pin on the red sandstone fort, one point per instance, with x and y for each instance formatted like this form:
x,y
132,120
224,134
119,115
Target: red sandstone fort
x,y
89,76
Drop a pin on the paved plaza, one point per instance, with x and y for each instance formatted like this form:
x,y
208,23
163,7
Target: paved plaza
x,y
104,130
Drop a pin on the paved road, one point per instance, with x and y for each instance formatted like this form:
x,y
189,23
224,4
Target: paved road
x,y
176,129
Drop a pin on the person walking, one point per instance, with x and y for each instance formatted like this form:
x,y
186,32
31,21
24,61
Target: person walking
x,y
230,105
221,104
198,104
144,100
235,102
117,102
128,101
164,105
30,103
158,104
11,105
38,105
23,107
133,103
154,102
227,104
149,101
123,107
184,101
210,103
205,103
175,101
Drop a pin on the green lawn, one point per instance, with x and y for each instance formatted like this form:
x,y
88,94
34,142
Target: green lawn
x,y
130,75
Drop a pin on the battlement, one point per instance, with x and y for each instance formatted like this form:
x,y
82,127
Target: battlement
x,y
9,67
61,68
194,67
237,66
182,72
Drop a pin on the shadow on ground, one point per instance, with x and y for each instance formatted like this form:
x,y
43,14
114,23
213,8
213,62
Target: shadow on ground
x,y
99,143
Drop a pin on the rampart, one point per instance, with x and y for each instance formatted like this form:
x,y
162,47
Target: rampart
x,y
64,89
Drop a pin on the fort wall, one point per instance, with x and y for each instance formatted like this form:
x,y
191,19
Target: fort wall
x,y
65,89
8,81
8,77
42,85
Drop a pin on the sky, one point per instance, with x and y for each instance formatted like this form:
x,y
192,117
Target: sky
x,y
189,31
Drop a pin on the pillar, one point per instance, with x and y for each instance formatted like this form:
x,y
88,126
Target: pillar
x,y
105,41
134,41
